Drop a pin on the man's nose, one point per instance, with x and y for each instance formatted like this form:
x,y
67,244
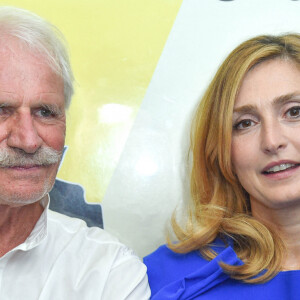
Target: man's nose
x,y
273,138
23,134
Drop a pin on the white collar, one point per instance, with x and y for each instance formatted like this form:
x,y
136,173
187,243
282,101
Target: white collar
x,y
39,232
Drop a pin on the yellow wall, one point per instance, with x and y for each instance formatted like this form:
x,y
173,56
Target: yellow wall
x,y
114,47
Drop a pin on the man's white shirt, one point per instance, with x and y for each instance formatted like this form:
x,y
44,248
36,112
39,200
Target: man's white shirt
x,y
64,259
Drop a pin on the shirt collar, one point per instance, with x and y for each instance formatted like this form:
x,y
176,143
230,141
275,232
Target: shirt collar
x,y
39,232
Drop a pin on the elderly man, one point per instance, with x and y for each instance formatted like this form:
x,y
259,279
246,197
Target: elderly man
x,y
45,255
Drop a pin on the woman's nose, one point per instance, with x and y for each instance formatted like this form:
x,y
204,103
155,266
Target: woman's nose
x,y
273,138
23,134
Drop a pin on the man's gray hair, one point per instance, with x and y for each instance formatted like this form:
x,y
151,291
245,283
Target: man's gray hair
x,y
42,37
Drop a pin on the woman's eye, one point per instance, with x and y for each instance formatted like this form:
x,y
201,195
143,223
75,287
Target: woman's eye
x,y
244,124
293,112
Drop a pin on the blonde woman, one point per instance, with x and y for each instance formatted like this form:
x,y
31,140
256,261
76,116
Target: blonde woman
x,y
241,238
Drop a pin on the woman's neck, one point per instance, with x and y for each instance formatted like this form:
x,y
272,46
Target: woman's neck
x,y
285,221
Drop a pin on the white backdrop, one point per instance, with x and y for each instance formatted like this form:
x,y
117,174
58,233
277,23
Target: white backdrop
x,y
149,180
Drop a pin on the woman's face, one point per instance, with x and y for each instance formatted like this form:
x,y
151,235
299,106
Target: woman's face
x,y
266,135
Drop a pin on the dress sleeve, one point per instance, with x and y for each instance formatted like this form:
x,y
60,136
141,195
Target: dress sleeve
x,y
127,278
193,279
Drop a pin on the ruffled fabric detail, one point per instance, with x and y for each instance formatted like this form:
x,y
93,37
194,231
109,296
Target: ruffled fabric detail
x,y
201,280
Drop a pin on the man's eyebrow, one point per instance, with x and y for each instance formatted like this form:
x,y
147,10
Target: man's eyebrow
x,y
4,104
53,107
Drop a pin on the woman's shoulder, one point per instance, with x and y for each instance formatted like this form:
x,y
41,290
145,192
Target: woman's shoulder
x,y
165,266
171,272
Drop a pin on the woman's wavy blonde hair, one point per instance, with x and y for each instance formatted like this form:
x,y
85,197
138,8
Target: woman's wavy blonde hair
x,y
220,206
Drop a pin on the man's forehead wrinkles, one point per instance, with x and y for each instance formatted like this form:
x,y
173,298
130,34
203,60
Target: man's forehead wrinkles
x,y
36,95
8,92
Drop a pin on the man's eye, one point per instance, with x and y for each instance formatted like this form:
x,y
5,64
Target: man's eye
x,y
244,124
4,111
45,113
293,112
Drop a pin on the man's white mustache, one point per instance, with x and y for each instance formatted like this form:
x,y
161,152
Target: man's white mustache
x,y
13,157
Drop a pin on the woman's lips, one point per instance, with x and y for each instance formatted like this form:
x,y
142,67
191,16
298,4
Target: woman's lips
x,y
279,166
281,169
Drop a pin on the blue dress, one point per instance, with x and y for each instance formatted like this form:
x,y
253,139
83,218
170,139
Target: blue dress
x,y
190,276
